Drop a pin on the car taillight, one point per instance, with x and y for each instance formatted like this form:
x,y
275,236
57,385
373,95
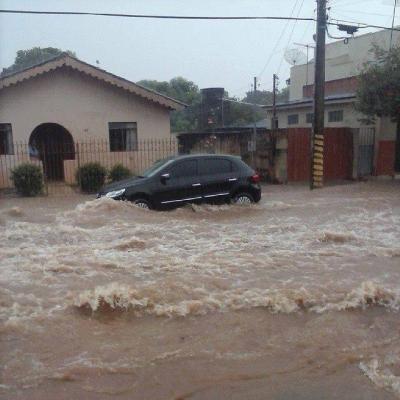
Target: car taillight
x,y
255,178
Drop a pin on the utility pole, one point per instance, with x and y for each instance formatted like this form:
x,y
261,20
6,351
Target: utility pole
x,y
317,141
254,138
273,128
394,16
274,89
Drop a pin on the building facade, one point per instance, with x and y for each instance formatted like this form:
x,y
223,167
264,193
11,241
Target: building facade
x,y
344,61
64,101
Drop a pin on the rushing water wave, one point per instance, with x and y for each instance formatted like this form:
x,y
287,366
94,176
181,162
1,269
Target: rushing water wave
x,y
122,298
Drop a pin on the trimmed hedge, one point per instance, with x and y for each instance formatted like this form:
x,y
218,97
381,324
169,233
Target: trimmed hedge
x,y
28,179
91,177
119,172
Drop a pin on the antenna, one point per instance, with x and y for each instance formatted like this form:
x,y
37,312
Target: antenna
x,y
295,57
307,46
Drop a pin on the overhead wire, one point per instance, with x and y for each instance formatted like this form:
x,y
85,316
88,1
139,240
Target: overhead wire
x,y
189,17
290,36
273,52
152,16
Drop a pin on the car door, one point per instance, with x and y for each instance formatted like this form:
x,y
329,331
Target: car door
x,y
182,183
218,177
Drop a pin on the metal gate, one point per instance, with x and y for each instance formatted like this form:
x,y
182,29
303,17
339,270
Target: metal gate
x,y
366,145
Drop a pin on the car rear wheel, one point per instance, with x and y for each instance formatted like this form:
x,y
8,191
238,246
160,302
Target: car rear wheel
x,y
142,203
243,198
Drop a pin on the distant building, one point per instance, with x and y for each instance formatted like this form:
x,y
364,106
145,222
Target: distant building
x,y
374,145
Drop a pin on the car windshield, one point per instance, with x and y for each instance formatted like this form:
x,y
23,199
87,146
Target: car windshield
x,y
155,167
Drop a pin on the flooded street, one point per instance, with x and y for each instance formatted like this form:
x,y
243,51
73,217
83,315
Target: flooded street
x,y
296,297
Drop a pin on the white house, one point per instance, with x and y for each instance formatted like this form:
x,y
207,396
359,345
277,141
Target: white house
x,y
65,101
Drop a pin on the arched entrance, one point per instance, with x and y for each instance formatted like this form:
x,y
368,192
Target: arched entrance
x,y
52,144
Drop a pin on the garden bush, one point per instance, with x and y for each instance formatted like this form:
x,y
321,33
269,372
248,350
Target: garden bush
x,y
91,177
119,172
28,179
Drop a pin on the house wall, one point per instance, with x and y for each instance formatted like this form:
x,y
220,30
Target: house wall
x,y
336,87
343,60
83,105
351,118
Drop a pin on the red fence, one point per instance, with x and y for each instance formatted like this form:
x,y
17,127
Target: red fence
x,y
338,156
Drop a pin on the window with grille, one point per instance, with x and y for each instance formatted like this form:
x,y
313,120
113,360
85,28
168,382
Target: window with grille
x,y
6,139
335,116
123,136
309,118
293,119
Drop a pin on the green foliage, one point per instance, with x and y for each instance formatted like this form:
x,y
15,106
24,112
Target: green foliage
x,y
28,179
91,177
378,91
36,55
239,114
119,172
265,97
185,91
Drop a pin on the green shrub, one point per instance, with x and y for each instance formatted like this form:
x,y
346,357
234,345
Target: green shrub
x,y
91,177
28,179
119,172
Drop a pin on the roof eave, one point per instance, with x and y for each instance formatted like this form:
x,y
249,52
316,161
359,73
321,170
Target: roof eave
x,y
308,102
97,73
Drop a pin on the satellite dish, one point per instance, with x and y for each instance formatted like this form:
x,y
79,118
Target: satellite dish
x,y
295,57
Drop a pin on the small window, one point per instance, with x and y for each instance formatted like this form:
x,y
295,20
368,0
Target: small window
x,y
213,166
335,116
293,119
6,139
123,136
184,169
309,118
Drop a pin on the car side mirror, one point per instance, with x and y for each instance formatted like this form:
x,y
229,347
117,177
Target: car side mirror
x,y
165,177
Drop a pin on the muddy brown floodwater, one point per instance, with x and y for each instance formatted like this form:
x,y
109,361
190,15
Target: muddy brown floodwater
x,y
297,297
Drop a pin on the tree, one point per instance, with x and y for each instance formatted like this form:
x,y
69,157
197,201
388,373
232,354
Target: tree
x,y
378,90
265,97
26,58
185,91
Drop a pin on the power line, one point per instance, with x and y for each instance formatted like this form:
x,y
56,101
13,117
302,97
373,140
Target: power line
x,y
148,16
290,37
278,41
189,17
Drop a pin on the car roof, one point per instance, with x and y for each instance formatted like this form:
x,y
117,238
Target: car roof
x,y
202,155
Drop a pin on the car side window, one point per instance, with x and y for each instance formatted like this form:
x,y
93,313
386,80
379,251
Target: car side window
x,y
214,166
184,169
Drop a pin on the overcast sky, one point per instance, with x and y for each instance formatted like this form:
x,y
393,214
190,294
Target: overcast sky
x,y
210,53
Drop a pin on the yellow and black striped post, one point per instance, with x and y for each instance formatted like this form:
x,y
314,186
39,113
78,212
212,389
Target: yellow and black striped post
x,y
317,179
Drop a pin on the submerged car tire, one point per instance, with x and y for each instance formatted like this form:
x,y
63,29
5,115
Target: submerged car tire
x,y
142,203
243,198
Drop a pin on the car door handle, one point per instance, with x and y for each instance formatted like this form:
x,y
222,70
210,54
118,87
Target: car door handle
x,y
232,179
196,184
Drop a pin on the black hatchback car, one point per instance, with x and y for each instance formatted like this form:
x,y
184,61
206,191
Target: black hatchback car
x,y
189,179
